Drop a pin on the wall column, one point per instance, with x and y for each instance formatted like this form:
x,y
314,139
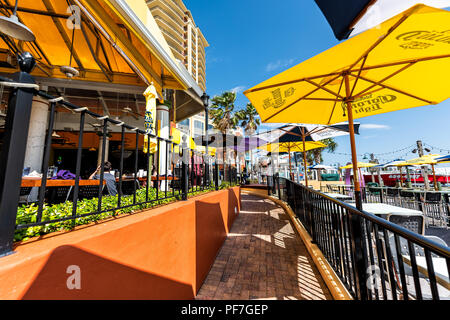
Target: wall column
x,y
34,152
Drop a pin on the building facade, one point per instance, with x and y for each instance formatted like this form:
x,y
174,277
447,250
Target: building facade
x,y
182,35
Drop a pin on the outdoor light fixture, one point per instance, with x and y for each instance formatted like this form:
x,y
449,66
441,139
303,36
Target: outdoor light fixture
x,y
205,99
15,29
70,71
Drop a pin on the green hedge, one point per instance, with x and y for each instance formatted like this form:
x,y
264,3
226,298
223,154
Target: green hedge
x,y
28,213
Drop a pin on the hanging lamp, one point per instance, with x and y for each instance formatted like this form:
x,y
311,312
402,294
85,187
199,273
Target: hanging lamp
x,y
11,26
70,71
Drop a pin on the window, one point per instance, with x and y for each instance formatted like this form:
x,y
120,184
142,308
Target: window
x,y
198,128
184,126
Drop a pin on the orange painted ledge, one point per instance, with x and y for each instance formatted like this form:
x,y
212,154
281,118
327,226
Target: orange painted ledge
x,y
160,253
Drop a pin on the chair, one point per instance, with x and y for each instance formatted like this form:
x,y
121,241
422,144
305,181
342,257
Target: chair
x,y
25,193
408,199
128,186
412,223
89,192
433,208
392,194
59,194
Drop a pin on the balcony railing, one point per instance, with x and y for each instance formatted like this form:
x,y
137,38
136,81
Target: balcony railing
x,y
374,258
76,198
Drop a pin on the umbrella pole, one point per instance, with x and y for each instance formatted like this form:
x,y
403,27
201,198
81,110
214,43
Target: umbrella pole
x,y
434,178
290,170
358,201
304,157
401,176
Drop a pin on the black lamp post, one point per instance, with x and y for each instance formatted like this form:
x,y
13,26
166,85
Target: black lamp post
x,y
205,99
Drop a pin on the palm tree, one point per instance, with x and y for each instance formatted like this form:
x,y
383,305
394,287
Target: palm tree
x,y
315,156
250,121
223,116
249,118
222,112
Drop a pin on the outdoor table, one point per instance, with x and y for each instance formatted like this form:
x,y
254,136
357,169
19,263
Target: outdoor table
x,y
385,211
439,266
338,196
36,182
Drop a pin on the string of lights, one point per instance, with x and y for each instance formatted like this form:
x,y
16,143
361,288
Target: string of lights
x,y
381,157
436,148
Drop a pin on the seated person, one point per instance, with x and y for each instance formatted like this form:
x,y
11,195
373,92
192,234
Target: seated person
x,y
107,177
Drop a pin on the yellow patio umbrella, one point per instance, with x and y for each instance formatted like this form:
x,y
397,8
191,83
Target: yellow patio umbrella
x,y
402,63
202,149
300,146
150,95
360,165
424,160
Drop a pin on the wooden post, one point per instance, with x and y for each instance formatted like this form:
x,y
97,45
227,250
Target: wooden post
x,y
304,157
434,178
352,145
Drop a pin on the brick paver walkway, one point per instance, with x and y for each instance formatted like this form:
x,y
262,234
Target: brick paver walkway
x,y
263,258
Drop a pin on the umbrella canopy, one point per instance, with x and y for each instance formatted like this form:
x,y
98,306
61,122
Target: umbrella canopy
x,y
350,17
320,167
425,159
443,159
402,63
360,165
359,72
249,143
390,163
219,140
291,146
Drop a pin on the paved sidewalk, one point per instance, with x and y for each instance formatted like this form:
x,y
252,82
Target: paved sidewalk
x,y
263,258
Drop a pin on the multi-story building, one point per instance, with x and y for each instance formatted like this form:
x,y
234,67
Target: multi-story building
x,y
195,125
182,35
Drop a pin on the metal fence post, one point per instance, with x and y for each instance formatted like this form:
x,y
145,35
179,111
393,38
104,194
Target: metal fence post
x,y
216,175
184,171
13,153
359,257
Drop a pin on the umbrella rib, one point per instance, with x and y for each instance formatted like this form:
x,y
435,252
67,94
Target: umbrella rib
x,y
323,88
359,73
391,29
386,78
397,90
338,73
301,98
391,64
334,106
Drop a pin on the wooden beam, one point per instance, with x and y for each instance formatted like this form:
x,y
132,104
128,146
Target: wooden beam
x,y
63,34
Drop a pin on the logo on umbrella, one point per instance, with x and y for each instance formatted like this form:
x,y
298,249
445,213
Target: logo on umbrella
x,y
414,36
369,104
276,100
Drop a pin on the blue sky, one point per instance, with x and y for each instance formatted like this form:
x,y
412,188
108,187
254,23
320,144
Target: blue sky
x,y
253,40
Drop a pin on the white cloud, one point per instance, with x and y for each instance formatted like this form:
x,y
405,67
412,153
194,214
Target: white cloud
x,y
237,89
374,126
279,64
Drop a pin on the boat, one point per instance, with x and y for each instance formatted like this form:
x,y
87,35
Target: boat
x,y
391,176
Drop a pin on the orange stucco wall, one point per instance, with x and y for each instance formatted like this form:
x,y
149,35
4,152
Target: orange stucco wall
x,y
163,253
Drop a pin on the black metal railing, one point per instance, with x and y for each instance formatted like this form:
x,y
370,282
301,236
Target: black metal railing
x,y
374,258
83,198
435,205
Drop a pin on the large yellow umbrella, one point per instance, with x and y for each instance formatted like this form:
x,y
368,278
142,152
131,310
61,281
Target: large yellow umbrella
x,y
299,146
402,63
